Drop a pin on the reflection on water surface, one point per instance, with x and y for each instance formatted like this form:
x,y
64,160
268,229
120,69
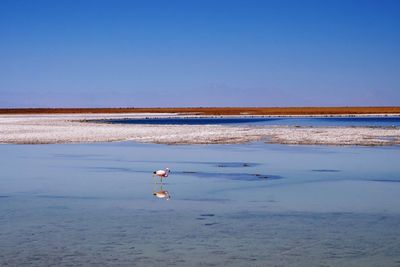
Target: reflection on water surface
x,y
160,191
234,205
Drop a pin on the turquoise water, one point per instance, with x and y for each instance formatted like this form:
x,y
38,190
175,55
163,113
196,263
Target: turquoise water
x,y
234,205
299,121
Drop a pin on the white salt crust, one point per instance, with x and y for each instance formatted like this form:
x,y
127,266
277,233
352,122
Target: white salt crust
x,y
55,129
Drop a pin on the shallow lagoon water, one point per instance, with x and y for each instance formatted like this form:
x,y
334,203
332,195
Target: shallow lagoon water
x,y
389,121
235,205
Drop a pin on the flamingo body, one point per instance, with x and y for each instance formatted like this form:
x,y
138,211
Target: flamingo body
x,y
162,173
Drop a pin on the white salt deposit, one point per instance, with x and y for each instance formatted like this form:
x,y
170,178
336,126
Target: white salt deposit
x,y
51,129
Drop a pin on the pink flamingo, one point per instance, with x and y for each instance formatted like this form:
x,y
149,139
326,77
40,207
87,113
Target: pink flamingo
x,y
162,173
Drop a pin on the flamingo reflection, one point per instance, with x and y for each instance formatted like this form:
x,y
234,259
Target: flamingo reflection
x,y
162,194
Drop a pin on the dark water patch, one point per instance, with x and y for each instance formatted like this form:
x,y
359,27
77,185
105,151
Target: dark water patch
x,y
385,180
235,164
58,207
325,170
330,216
4,196
219,164
207,215
232,176
210,224
261,176
212,163
263,201
201,218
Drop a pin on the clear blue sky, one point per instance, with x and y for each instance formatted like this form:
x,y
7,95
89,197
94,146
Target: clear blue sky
x,y
199,53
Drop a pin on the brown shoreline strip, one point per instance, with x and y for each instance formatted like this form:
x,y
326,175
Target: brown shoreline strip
x,y
212,110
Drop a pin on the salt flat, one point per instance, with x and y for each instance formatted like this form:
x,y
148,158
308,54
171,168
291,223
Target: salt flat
x,y
72,128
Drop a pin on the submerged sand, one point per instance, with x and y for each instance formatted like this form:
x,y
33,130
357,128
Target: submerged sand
x,y
73,128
